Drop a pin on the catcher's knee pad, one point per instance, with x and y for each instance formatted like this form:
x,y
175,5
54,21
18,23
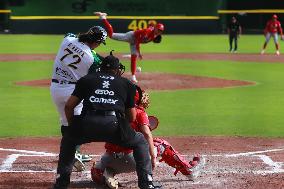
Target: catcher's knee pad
x,y
171,157
97,175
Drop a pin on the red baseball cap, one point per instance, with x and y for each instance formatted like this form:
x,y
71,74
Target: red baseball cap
x,y
274,16
160,26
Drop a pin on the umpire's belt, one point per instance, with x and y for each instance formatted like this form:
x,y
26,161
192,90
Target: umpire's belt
x,y
101,112
62,81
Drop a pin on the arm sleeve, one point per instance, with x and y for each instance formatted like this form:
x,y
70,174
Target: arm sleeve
x,y
80,89
130,96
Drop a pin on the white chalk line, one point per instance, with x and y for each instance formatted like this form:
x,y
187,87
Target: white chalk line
x,y
27,151
8,162
275,166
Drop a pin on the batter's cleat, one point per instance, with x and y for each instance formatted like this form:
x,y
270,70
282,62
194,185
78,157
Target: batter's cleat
x,y
79,165
133,79
262,51
83,157
102,15
277,53
110,181
97,175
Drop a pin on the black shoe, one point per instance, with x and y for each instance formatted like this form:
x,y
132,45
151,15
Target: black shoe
x,y
62,182
151,185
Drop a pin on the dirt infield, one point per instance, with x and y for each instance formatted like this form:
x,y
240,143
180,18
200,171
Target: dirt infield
x,y
230,162
270,58
156,81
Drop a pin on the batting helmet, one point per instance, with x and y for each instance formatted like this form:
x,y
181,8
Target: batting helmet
x,y
160,26
97,34
275,16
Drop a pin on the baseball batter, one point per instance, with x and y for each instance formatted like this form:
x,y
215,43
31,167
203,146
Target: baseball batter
x,y
117,159
272,28
73,61
134,38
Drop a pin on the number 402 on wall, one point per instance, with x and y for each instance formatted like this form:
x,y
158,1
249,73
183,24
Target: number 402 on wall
x,y
140,24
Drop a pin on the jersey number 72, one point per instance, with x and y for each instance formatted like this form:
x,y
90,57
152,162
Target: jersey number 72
x,y
76,58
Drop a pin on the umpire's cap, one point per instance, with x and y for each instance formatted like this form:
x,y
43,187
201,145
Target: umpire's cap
x,y
111,62
97,34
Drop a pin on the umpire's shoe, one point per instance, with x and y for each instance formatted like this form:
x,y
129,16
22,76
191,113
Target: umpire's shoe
x,y
148,183
62,182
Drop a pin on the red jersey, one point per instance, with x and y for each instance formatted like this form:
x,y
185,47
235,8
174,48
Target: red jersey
x,y
144,36
273,26
141,119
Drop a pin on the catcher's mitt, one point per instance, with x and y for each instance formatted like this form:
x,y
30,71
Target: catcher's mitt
x,y
157,39
153,122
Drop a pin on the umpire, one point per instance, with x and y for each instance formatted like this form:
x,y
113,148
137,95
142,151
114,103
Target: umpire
x,y
108,107
234,31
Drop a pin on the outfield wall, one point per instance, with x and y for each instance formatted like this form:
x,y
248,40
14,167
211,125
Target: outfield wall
x,y
61,16
179,17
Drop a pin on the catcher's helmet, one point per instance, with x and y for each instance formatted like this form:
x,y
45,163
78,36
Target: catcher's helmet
x,y
160,26
97,34
275,16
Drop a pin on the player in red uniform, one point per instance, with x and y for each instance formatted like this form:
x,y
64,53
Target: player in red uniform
x,y
134,38
120,160
272,28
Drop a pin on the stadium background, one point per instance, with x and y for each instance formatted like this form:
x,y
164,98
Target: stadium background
x,y
180,17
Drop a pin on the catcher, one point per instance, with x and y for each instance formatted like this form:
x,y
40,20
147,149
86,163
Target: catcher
x,y
118,160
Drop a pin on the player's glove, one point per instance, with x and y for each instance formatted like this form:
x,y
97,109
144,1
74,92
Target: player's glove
x,y
282,37
157,39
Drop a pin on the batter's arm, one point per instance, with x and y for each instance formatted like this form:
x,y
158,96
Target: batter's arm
x,y
148,136
71,103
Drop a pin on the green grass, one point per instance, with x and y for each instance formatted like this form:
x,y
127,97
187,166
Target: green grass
x,y
241,111
21,44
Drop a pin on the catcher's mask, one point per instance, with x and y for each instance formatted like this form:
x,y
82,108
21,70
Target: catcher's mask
x,y
112,63
142,98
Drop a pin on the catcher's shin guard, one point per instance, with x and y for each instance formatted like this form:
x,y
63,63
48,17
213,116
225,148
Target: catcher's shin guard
x,y
171,157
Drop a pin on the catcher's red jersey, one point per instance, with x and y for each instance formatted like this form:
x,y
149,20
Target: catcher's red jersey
x,y
273,26
141,119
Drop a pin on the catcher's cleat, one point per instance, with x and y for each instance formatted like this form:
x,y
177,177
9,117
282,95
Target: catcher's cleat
x,y
277,53
110,181
79,165
97,175
197,164
102,15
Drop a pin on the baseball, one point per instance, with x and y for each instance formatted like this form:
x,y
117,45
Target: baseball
x,y
138,69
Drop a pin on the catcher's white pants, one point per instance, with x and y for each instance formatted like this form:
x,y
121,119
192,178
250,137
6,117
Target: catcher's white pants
x,y
127,37
60,94
269,35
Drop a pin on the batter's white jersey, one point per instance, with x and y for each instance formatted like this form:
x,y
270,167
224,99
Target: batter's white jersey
x,y
71,63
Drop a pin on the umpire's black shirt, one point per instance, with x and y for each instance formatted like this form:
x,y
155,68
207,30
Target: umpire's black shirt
x,y
105,91
234,28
